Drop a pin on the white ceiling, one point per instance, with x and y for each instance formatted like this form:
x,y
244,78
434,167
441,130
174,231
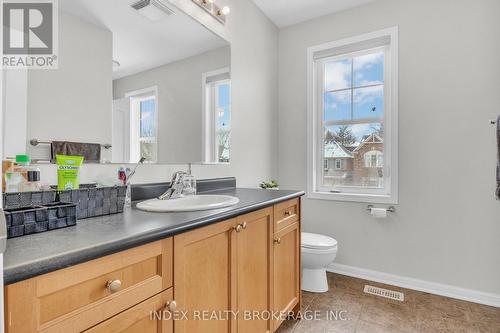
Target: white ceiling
x,y
287,12
140,44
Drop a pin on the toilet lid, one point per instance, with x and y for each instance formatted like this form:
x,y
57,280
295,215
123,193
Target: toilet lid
x,y
315,241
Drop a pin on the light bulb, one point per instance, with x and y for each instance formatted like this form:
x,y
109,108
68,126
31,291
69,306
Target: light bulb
x,y
224,11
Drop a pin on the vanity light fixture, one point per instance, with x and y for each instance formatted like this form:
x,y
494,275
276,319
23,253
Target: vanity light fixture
x,y
217,12
225,11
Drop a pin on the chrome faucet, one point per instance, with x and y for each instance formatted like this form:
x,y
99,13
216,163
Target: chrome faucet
x,y
128,176
176,186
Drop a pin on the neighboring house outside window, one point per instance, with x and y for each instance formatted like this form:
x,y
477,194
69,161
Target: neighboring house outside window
x,y
339,156
353,114
369,162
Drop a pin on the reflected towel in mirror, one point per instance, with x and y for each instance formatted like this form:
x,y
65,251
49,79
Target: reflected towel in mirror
x,y
91,152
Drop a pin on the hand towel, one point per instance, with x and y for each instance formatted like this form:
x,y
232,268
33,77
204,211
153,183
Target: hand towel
x,y
497,192
91,152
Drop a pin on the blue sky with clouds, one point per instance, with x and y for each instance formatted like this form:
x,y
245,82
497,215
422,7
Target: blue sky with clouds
x,y
224,101
148,118
360,102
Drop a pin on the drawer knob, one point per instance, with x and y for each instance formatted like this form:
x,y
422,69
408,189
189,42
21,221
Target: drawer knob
x,y
238,228
171,306
277,240
288,213
113,285
244,225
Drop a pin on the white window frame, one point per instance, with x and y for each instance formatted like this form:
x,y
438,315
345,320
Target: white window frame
x,y
135,97
372,153
387,38
339,162
209,136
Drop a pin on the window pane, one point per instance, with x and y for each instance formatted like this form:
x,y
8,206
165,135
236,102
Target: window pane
x,y
337,105
338,74
368,102
148,150
223,116
147,118
368,69
223,119
360,149
224,148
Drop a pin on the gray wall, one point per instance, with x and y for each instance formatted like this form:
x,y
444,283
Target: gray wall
x,y
77,95
447,225
180,109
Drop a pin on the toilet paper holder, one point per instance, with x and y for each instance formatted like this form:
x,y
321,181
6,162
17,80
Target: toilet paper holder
x,y
391,209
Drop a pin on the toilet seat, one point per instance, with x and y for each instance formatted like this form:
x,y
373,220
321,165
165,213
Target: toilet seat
x,y
317,242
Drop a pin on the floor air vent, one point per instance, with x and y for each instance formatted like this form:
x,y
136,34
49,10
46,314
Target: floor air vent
x,y
386,293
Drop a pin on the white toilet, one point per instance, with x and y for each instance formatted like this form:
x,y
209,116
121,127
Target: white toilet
x,y
318,251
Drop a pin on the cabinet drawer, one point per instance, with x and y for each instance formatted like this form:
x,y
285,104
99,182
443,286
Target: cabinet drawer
x,y
78,297
286,213
150,316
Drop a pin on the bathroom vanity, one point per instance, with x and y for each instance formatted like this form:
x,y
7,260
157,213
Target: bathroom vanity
x,y
111,273
161,96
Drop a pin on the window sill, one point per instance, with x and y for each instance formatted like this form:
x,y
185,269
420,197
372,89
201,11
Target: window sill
x,y
354,197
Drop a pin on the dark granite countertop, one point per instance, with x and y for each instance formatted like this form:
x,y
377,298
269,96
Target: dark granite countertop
x,y
91,238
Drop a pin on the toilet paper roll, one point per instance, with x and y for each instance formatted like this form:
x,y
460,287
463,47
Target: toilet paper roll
x,y
379,213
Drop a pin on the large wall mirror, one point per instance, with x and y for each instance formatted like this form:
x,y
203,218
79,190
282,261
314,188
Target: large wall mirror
x,y
140,79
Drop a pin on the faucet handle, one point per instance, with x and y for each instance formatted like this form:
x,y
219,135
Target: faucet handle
x,y
177,177
177,186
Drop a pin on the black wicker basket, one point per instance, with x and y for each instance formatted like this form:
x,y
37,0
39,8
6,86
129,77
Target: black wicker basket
x,y
35,219
30,212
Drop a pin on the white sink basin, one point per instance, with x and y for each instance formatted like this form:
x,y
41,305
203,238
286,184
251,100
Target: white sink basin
x,y
188,204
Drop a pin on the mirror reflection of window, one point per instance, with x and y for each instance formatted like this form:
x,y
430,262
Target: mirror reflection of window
x,y
217,116
223,128
147,135
143,126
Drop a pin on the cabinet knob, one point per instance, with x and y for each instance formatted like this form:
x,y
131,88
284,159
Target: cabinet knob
x,y
288,213
277,240
171,306
238,228
244,225
113,285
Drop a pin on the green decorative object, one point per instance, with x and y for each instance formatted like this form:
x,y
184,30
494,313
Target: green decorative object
x,y
269,185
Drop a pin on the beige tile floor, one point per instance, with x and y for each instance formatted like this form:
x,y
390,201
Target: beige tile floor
x,y
420,312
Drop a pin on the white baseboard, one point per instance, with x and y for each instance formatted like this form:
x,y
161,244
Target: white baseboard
x,y
416,284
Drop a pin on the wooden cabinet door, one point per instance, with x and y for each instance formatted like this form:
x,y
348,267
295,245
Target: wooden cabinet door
x,y
150,316
254,253
286,273
204,261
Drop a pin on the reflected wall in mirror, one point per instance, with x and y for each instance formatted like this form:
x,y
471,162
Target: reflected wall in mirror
x,y
140,79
